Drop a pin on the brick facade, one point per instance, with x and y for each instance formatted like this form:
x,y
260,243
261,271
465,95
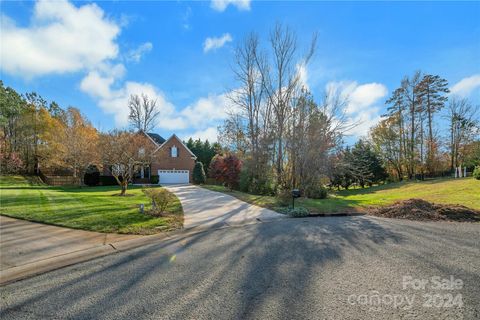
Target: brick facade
x,y
164,160
183,161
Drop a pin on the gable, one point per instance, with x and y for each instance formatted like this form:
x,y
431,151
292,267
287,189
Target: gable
x,y
181,147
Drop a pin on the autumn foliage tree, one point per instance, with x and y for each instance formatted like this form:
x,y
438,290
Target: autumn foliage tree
x,y
80,143
226,169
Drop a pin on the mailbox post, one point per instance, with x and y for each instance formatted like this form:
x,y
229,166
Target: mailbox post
x,y
295,194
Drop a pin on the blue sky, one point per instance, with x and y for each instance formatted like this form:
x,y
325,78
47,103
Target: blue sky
x,y
92,55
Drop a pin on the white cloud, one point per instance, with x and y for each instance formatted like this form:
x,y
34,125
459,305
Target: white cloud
x,y
216,43
186,18
206,110
466,86
362,103
221,5
136,54
210,134
60,38
303,75
63,38
115,101
203,113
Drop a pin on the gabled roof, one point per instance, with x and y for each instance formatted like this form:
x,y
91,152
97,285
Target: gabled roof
x,y
174,136
158,139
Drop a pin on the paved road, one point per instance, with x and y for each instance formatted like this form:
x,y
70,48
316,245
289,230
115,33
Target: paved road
x,y
24,242
209,209
286,269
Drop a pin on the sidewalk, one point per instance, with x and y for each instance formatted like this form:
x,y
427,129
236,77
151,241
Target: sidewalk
x,y
28,248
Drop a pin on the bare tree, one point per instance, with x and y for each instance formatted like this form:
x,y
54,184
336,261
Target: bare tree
x,y
123,153
410,89
464,127
249,103
144,112
395,111
281,81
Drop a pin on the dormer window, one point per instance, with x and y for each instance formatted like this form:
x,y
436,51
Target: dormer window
x,y
174,152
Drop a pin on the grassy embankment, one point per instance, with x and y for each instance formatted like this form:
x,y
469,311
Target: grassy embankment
x,y
464,191
87,208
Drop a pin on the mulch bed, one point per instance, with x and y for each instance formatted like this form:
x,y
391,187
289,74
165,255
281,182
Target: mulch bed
x,y
418,209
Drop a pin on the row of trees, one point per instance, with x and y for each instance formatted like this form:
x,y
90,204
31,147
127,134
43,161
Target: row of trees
x,y
284,138
39,135
287,139
410,137
204,150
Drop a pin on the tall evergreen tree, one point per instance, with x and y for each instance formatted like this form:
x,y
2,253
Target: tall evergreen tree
x,y
432,90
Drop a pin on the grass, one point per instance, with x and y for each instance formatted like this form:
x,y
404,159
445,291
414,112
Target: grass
x,y
464,191
87,208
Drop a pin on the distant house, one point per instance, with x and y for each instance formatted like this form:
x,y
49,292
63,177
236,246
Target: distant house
x,y
174,162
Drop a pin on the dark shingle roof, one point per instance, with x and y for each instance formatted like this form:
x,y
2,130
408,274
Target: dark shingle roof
x,y
156,137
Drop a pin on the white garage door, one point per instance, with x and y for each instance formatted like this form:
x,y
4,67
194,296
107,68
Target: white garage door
x,y
173,176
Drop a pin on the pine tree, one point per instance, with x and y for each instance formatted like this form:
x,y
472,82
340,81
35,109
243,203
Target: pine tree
x,y
432,90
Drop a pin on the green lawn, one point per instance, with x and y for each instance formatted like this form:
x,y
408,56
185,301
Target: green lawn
x,y
87,208
444,191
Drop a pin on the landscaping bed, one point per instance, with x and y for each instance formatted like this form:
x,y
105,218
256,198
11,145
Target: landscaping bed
x,y
418,209
87,208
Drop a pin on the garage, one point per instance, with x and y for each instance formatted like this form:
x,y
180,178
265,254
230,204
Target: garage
x,y
173,176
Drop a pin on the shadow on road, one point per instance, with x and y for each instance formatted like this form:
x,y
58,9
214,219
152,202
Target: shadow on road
x,y
184,272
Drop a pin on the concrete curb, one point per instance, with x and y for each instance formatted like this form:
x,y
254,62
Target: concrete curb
x,y
340,214
49,264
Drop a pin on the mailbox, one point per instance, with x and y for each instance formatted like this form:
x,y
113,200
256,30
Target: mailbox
x,y
296,193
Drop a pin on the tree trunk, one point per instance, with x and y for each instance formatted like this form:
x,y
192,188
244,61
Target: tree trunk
x,y
124,186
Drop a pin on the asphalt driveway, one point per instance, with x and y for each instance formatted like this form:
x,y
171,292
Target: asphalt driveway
x,y
312,268
209,209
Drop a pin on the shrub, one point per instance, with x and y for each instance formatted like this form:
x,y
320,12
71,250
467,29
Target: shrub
x,y
245,181
262,185
154,179
317,192
11,163
108,181
199,176
92,176
284,197
476,173
160,199
297,212
226,169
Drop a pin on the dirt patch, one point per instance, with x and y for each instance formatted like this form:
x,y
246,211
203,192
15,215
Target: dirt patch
x,y
418,209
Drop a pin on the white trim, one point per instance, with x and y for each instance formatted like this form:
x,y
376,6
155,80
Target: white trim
x,y
174,148
194,157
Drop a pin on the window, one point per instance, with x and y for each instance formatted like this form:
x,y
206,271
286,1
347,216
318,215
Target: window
x,y
141,152
174,152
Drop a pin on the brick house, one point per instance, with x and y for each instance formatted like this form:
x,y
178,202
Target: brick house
x,y
174,161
